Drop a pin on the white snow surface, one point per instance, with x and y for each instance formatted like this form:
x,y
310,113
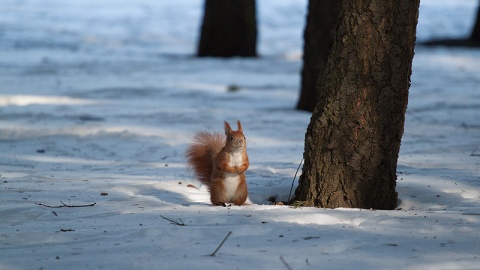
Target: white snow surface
x,y
102,97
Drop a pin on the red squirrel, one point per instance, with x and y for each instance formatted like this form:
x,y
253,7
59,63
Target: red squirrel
x,y
220,163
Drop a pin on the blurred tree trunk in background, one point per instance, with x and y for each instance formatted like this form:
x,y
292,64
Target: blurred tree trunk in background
x,y
229,28
475,36
353,139
318,40
472,41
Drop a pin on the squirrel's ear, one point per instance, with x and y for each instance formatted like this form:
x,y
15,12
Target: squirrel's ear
x,y
239,126
228,129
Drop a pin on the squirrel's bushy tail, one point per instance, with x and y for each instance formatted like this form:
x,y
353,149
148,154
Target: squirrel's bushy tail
x,y
202,152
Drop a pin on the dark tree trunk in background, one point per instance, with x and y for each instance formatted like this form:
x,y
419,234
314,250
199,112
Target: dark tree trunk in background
x,y
318,40
475,36
472,41
229,28
353,139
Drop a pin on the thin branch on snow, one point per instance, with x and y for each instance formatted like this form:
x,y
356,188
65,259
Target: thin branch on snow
x,y
473,154
174,222
65,205
285,263
221,244
293,181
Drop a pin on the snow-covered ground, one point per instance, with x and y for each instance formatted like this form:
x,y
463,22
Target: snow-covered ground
x,y
98,100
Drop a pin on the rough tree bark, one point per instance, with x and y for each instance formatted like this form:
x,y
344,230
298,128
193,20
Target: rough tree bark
x,y
353,139
229,28
318,40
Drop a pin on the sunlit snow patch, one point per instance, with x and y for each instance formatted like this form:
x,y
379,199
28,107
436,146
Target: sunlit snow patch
x,y
25,100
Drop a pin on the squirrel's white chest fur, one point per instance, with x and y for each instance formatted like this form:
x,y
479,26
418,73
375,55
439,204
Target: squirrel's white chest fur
x,y
236,159
232,179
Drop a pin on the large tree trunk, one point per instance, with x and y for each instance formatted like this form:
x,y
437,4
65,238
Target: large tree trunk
x,y
353,139
318,40
229,29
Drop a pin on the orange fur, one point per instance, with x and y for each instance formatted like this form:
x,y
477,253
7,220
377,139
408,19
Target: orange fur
x,y
220,163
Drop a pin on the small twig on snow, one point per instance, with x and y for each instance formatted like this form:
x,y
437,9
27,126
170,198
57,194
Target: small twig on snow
x,y
293,181
285,263
221,244
174,222
473,152
65,205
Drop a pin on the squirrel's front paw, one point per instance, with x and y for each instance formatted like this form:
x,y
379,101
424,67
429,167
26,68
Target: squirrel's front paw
x,y
223,204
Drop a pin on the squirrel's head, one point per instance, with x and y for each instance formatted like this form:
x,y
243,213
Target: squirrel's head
x,y
235,139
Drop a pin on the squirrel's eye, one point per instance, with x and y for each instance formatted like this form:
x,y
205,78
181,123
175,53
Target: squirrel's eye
x,y
230,138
